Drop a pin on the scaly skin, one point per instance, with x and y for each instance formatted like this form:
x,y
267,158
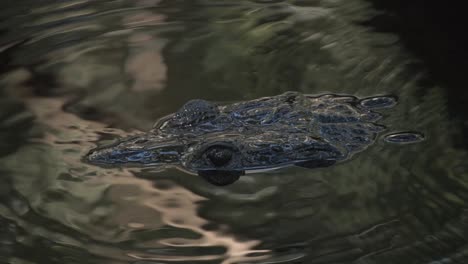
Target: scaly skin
x,y
222,142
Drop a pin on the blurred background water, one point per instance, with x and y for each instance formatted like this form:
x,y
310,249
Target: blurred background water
x,y
77,72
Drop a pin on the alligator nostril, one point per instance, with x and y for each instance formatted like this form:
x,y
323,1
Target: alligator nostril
x,y
94,156
219,156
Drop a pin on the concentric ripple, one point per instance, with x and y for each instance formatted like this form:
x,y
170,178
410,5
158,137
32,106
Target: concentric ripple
x,y
78,74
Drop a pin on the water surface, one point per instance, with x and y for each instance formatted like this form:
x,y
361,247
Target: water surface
x,y
80,73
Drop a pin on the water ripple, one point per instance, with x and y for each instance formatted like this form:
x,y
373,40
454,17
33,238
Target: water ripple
x,y
75,73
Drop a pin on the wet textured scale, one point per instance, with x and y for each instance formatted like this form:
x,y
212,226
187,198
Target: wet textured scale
x,y
223,142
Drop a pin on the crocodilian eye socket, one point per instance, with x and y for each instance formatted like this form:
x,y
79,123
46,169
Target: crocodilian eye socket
x,y
219,156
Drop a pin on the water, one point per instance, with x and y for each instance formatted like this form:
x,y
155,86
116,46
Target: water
x,y
74,74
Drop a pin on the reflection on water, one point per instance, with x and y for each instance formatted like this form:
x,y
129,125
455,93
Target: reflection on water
x,y
75,74
114,206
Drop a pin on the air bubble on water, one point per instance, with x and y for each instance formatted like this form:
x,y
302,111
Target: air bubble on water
x,y
404,137
379,102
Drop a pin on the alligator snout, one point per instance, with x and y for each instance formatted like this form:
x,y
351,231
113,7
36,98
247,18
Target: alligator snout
x,y
94,156
137,150
105,156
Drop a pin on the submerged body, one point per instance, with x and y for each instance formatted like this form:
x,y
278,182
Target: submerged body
x,y
222,142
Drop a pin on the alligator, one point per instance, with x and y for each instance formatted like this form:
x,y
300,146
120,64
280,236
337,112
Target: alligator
x,y
223,142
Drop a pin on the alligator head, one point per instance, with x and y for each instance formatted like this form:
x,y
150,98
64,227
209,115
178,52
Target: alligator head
x,y
223,142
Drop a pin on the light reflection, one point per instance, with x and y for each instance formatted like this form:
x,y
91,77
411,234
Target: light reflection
x,y
136,203
146,65
58,6
316,49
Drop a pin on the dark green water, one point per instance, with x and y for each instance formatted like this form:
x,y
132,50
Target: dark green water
x,y
73,73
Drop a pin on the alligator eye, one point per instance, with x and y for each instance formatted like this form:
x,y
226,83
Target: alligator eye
x,y
219,156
